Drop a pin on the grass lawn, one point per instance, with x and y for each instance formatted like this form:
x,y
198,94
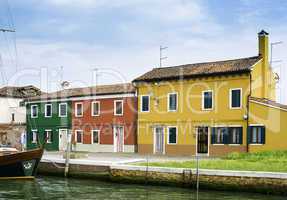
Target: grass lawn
x,y
273,161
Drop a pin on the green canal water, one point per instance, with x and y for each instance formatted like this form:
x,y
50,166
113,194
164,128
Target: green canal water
x,y
52,188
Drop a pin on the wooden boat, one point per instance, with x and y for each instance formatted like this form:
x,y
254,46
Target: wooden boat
x,y
18,165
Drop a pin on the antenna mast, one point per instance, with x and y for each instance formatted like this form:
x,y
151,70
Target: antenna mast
x,y
161,58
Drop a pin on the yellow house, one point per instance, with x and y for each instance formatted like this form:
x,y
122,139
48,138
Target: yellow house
x,y
211,108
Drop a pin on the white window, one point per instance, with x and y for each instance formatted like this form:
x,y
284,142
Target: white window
x,y
118,107
145,103
172,135
63,110
207,100
48,110
96,108
34,136
95,137
34,111
172,102
78,109
235,98
79,136
48,136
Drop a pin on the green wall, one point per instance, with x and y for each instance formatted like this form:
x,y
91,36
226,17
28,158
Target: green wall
x,y
41,123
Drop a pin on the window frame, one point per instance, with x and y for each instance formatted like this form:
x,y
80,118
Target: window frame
x,y
45,133
236,126
168,102
34,131
92,136
230,98
141,103
76,109
46,105
93,107
203,100
251,135
59,110
176,129
82,136
115,107
37,111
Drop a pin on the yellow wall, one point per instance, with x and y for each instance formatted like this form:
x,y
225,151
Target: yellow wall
x,y
275,121
190,113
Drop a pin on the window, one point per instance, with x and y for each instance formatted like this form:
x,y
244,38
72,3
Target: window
x,y
172,135
48,110
95,136
219,135
48,136
235,98
95,108
34,136
172,102
34,111
207,103
118,107
145,103
79,136
235,135
13,117
79,109
256,134
63,110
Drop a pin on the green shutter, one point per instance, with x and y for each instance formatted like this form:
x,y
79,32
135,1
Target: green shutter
x,y
212,135
263,135
240,135
249,131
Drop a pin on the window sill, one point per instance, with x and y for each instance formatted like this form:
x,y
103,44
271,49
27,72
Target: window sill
x,y
235,108
171,143
256,144
234,144
218,144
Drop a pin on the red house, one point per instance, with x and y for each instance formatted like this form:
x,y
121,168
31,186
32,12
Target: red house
x,y
104,118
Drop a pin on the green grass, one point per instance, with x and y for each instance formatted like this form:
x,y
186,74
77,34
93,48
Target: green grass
x,y
272,161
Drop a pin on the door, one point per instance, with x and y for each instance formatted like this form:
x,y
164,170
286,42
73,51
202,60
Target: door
x,y
63,139
159,140
118,139
202,140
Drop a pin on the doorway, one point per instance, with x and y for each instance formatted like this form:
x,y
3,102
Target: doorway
x,y
118,139
63,139
159,140
202,140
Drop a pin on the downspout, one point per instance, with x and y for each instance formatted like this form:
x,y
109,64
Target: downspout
x,y
248,110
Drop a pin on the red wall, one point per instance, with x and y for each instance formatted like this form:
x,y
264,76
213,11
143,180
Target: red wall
x,y
107,120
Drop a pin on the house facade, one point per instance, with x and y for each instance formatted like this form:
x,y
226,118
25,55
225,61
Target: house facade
x,y
206,108
13,113
99,119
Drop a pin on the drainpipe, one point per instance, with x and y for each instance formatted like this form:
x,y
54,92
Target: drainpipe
x,y
248,109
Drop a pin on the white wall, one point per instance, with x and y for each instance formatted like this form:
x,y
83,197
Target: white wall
x,y
9,106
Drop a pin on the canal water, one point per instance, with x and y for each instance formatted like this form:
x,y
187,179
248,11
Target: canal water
x,y
52,188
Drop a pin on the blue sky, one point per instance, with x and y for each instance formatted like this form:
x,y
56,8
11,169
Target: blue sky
x,y
121,38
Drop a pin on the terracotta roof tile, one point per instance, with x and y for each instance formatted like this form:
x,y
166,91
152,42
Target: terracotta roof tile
x,y
88,91
20,92
200,69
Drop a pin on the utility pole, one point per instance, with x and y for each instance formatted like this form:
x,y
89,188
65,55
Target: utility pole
x,y
161,58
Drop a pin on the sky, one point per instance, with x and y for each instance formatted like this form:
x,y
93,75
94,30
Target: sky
x,y
59,40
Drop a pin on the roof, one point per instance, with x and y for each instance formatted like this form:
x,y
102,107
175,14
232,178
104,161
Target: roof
x,y
200,69
20,92
125,88
269,102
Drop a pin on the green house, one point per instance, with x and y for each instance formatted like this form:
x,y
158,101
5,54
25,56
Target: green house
x,y
50,119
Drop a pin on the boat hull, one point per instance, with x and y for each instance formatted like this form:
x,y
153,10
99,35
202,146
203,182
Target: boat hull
x,y
23,164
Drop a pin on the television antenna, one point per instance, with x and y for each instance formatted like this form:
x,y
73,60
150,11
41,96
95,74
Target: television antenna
x,y
161,57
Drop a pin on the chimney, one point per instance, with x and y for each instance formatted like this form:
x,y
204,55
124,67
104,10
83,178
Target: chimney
x,y
263,47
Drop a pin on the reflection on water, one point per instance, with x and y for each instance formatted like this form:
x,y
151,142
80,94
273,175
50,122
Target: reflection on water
x,y
58,188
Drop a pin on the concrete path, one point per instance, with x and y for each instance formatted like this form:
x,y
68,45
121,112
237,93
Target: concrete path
x,y
113,158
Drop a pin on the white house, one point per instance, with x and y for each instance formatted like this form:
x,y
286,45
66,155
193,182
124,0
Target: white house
x,y
13,113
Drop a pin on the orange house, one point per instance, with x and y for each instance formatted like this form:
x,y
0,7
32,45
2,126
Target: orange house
x,y
104,118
